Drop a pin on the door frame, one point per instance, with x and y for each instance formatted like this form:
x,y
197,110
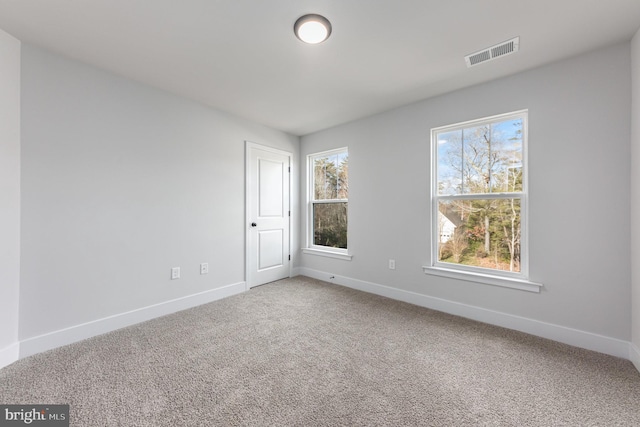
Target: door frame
x,y
249,147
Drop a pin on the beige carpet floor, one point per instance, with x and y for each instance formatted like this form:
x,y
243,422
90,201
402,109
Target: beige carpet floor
x,y
301,352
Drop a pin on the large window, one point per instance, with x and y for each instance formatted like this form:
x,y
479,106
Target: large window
x,y
328,200
479,196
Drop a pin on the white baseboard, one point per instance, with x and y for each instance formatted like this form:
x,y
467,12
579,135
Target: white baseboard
x,y
634,355
76,333
9,354
574,337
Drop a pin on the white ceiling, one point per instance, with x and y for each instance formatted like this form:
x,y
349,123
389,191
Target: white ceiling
x,y
241,56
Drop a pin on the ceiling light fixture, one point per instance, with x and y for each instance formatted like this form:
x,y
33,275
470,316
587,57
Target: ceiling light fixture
x,y
312,28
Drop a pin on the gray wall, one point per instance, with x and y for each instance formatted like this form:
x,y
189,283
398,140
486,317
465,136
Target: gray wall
x,y
121,182
635,190
9,189
579,168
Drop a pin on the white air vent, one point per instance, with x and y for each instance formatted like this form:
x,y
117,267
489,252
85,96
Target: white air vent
x,y
505,48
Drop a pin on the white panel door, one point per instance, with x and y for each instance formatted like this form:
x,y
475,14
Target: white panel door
x,y
268,214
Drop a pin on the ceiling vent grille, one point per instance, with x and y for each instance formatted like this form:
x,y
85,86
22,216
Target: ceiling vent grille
x,y
493,52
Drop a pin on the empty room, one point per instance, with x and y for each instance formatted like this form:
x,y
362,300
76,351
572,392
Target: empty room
x,y
318,213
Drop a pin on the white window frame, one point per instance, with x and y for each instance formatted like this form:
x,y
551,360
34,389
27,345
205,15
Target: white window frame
x,y
311,248
517,280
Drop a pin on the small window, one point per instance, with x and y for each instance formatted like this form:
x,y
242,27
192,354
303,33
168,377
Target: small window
x,y
328,200
479,196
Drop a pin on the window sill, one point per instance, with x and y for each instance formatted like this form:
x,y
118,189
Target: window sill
x,y
486,279
328,254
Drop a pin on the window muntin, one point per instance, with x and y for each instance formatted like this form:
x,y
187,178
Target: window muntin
x,y
479,196
328,194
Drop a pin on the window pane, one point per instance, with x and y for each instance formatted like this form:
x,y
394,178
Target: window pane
x,y
449,162
330,224
481,159
480,233
506,152
477,159
330,177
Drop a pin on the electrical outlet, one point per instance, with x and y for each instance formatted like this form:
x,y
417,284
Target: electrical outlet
x,y
175,273
204,268
392,264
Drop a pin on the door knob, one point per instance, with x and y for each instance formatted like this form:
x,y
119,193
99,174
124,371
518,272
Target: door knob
x,y
253,224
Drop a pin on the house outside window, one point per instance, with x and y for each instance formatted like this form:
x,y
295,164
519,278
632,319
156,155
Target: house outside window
x,y
328,196
479,196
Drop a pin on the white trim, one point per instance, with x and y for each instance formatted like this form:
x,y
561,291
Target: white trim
x,y
329,201
328,254
634,355
482,120
481,196
76,333
487,279
247,202
9,354
574,337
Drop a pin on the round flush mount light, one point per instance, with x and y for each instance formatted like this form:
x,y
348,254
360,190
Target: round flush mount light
x,y
312,28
